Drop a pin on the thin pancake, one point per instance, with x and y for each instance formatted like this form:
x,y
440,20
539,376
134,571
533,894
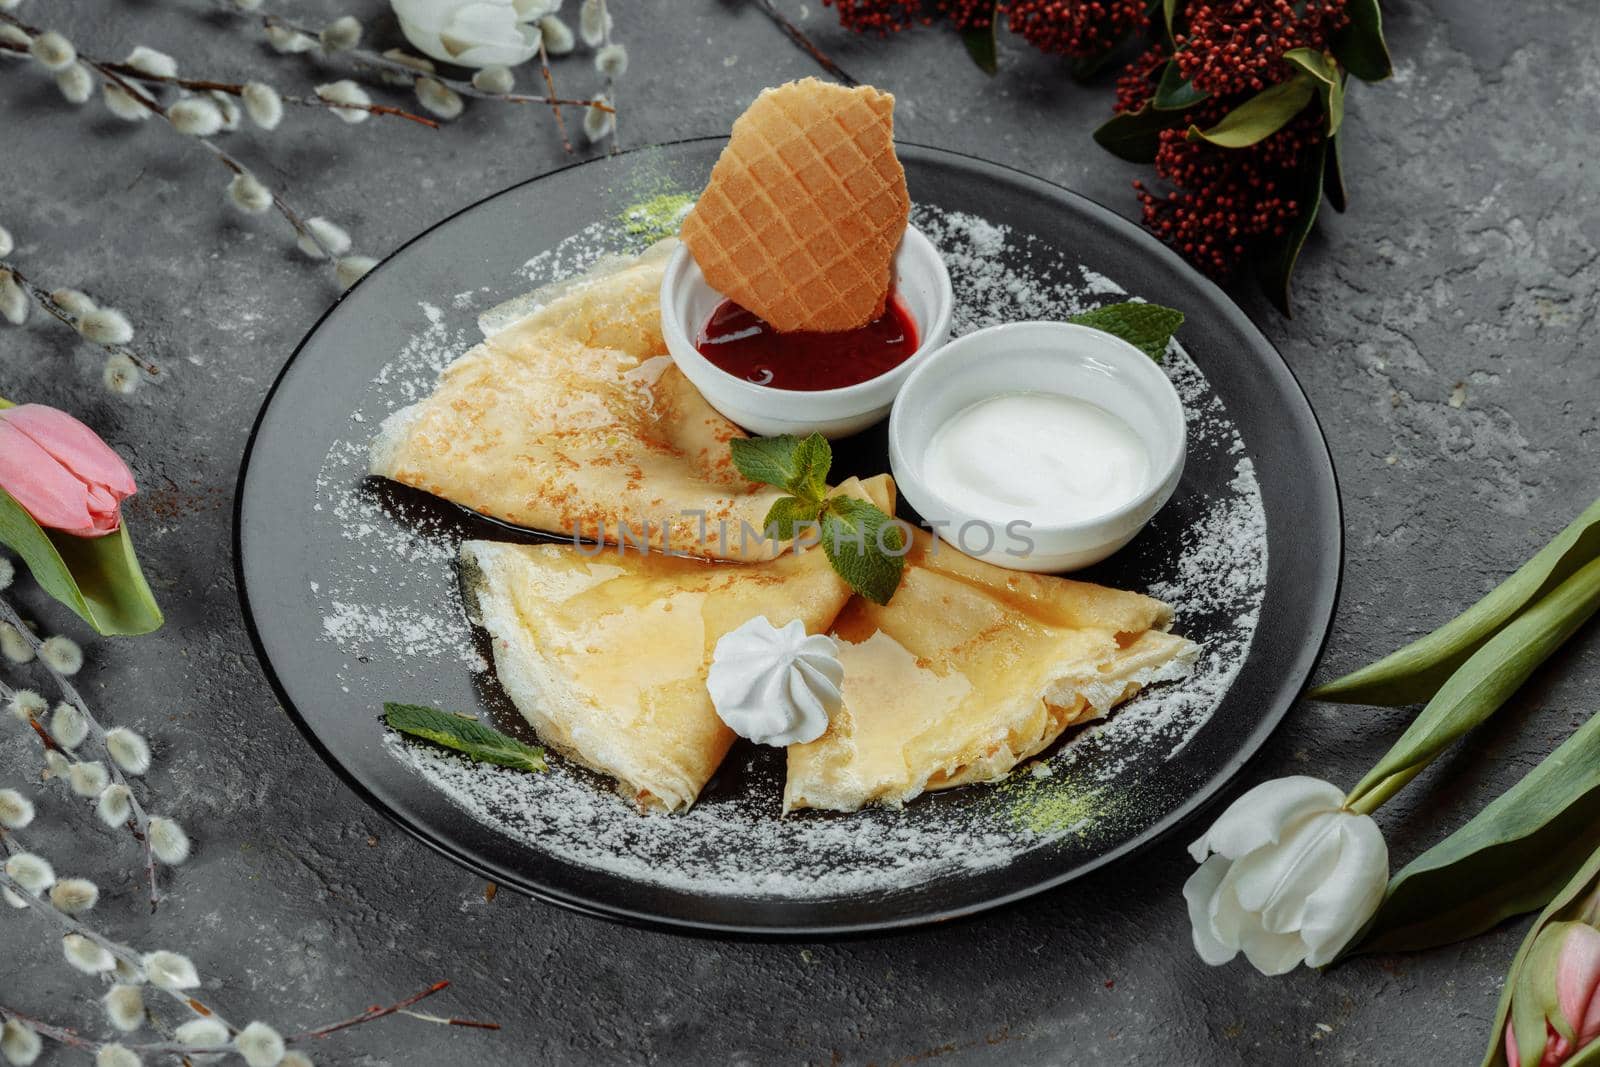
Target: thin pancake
x,y
970,670
606,654
574,420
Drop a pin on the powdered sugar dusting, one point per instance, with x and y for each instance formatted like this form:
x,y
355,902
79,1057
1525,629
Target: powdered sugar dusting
x,y
1208,557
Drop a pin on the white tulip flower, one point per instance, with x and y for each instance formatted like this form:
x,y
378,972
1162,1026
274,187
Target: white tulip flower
x,y
1292,876
471,33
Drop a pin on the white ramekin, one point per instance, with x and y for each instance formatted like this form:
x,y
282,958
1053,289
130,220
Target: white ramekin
x,y
1038,357
687,302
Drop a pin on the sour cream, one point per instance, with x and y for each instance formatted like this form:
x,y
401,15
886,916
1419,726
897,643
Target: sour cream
x,y
1038,458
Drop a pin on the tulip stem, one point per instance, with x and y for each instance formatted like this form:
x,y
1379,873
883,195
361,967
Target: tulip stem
x,y
1369,801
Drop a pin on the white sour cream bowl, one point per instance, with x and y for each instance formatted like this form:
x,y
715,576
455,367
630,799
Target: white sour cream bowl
x,y
687,301
1118,397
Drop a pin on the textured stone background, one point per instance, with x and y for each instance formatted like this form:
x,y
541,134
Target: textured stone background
x,y
1467,267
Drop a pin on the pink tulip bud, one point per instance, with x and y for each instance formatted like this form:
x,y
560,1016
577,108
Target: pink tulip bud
x,y
1577,995
61,472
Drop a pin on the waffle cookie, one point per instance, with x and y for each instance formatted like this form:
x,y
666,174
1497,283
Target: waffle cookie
x,y
805,208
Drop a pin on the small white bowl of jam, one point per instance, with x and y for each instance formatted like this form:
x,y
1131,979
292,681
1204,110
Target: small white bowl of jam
x,y
835,384
1038,446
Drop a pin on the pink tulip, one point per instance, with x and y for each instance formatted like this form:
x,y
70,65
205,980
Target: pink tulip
x,y
61,472
1577,995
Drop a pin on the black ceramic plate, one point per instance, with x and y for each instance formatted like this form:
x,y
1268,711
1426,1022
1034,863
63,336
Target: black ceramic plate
x,y
350,590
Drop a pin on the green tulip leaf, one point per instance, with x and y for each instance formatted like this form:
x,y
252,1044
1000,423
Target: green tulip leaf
x,y
1512,857
1485,682
1416,672
1135,135
1262,115
1277,268
1360,47
1568,904
97,577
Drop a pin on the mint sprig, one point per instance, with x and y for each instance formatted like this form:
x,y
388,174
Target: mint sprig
x,y
863,544
1147,327
467,736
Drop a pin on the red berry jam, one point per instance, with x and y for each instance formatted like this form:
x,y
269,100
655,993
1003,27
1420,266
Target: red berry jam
x,y
741,343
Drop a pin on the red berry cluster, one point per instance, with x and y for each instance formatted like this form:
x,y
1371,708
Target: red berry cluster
x,y
1234,46
1225,199
1137,82
968,14
877,16
1061,27
1074,27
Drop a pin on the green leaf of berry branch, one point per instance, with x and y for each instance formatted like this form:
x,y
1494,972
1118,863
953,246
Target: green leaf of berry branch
x,y
1360,47
1136,135
1277,269
1147,327
1261,116
1329,78
1333,175
1174,92
865,547
468,736
981,44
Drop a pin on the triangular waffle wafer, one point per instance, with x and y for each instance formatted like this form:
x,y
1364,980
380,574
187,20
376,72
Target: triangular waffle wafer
x,y
805,208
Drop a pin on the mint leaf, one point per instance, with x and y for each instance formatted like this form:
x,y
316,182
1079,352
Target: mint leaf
x,y
813,457
1147,327
470,737
788,462
864,546
787,515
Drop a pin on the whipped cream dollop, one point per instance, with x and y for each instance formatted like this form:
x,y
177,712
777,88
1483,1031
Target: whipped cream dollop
x,y
776,685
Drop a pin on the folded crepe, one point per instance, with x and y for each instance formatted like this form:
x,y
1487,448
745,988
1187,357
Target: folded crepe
x,y
606,652
970,670
574,420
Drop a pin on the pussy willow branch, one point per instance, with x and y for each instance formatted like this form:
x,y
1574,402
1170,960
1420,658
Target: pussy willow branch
x,y
237,89
50,744
204,85
150,104
59,1034
139,820
71,924
43,298
550,88
611,83
72,1039
368,58
804,43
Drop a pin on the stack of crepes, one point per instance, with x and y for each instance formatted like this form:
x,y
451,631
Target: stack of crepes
x,y
574,420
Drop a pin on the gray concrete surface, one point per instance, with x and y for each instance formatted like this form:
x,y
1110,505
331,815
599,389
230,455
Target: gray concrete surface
x,y
1467,266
